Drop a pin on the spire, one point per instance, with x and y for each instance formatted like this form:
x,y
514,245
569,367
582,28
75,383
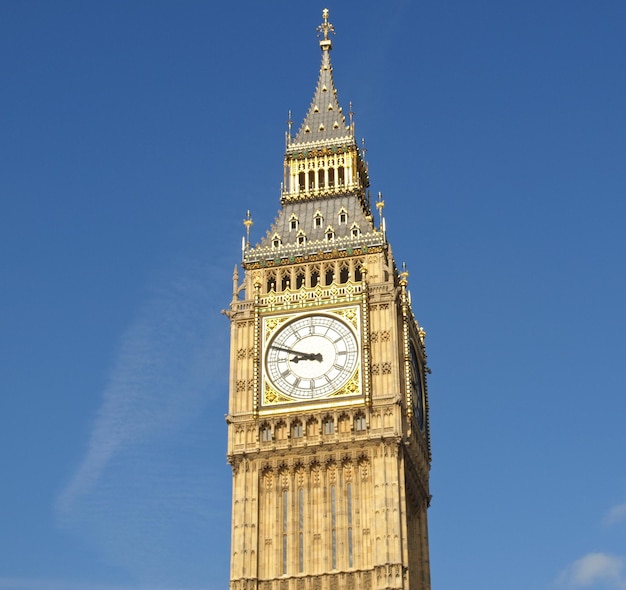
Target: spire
x,y
325,120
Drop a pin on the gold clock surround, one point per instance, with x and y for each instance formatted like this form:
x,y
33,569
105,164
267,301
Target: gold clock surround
x,y
349,390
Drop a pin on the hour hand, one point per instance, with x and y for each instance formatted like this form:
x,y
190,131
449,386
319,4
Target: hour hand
x,y
307,356
299,356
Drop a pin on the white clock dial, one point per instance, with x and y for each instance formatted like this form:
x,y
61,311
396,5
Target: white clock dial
x,y
312,356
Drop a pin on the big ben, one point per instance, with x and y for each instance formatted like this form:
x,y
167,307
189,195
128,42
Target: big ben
x,y
328,432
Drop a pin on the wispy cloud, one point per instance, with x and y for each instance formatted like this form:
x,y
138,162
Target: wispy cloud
x,y
142,494
615,515
595,568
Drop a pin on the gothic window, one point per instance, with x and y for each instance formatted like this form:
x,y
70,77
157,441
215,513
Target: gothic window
x,y
301,529
315,277
311,180
266,433
293,223
355,230
285,518
360,425
331,177
333,525
271,282
330,234
358,275
285,282
276,241
344,424
311,427
281,431
341,175
344,273
349,498
320,179
301,180
300,279
330,276
328,426
301,238
343,216
296,429
318,220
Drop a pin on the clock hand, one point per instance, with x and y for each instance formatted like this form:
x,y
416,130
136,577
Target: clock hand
x,y
307,356
299,356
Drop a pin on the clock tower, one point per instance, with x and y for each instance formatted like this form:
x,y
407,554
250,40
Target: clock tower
x,y
328,433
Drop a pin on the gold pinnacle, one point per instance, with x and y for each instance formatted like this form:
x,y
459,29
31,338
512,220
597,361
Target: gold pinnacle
x,y
325,27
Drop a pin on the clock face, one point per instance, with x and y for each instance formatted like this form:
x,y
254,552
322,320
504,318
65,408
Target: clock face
x,y
312,356
417,387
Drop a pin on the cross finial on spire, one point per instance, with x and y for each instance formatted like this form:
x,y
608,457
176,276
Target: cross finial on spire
x,y
324,29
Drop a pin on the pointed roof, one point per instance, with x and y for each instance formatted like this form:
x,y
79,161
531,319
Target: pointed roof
x,y
325,120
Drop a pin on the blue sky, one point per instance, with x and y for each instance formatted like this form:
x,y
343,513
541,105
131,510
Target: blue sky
x,y
135,135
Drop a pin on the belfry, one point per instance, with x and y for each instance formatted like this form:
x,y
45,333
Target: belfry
x,y
328,432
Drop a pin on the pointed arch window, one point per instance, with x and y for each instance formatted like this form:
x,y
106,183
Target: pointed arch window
x,y
318,219
355,230
300,530
344,273
342,216
300,278
330,234
350,541
333,526
315,276
266,433
276,241
301,238
341,174
296,429
293,221
329,426
329,276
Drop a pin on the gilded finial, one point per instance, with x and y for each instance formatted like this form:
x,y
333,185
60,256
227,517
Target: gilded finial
x,y
248,223
324,29
404,275
351,115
